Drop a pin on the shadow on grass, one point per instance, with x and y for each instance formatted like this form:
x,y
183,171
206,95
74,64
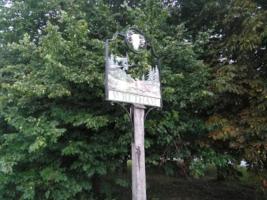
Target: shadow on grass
x,y
162,187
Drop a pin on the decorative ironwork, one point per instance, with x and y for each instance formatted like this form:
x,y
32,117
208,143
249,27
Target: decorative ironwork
x,y
120,85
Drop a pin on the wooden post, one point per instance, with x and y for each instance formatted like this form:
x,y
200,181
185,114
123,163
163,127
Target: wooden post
x,y
138,155
133,172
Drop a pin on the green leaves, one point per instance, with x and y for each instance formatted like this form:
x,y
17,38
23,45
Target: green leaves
x,y
80,118
208,159
237,55
50,174
56,130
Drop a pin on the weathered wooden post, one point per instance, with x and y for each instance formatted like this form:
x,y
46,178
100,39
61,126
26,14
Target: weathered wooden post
x,y
138,167
122,88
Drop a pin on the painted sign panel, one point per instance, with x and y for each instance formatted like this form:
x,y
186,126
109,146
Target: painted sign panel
x,y
122,87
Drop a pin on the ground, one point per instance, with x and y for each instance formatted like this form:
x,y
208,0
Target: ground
x,y
161,187
198,189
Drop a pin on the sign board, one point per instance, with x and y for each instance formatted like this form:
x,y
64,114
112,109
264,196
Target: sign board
x,y
122,87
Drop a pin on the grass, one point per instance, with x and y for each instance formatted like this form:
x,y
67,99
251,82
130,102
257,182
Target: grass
x,y
162,187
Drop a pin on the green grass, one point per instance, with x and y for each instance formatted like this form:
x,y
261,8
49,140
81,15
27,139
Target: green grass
x,y
162,187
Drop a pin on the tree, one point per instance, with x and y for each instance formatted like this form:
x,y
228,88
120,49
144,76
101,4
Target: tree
x,y
236,54
59,136
52,101
179,130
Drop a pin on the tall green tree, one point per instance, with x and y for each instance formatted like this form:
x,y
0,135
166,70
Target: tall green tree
x,y
52,100
59,136
236,54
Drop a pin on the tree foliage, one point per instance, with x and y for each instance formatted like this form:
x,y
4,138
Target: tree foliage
x,y
58,136
237,57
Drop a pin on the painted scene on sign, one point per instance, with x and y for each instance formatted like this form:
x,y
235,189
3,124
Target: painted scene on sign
x,y
144,90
